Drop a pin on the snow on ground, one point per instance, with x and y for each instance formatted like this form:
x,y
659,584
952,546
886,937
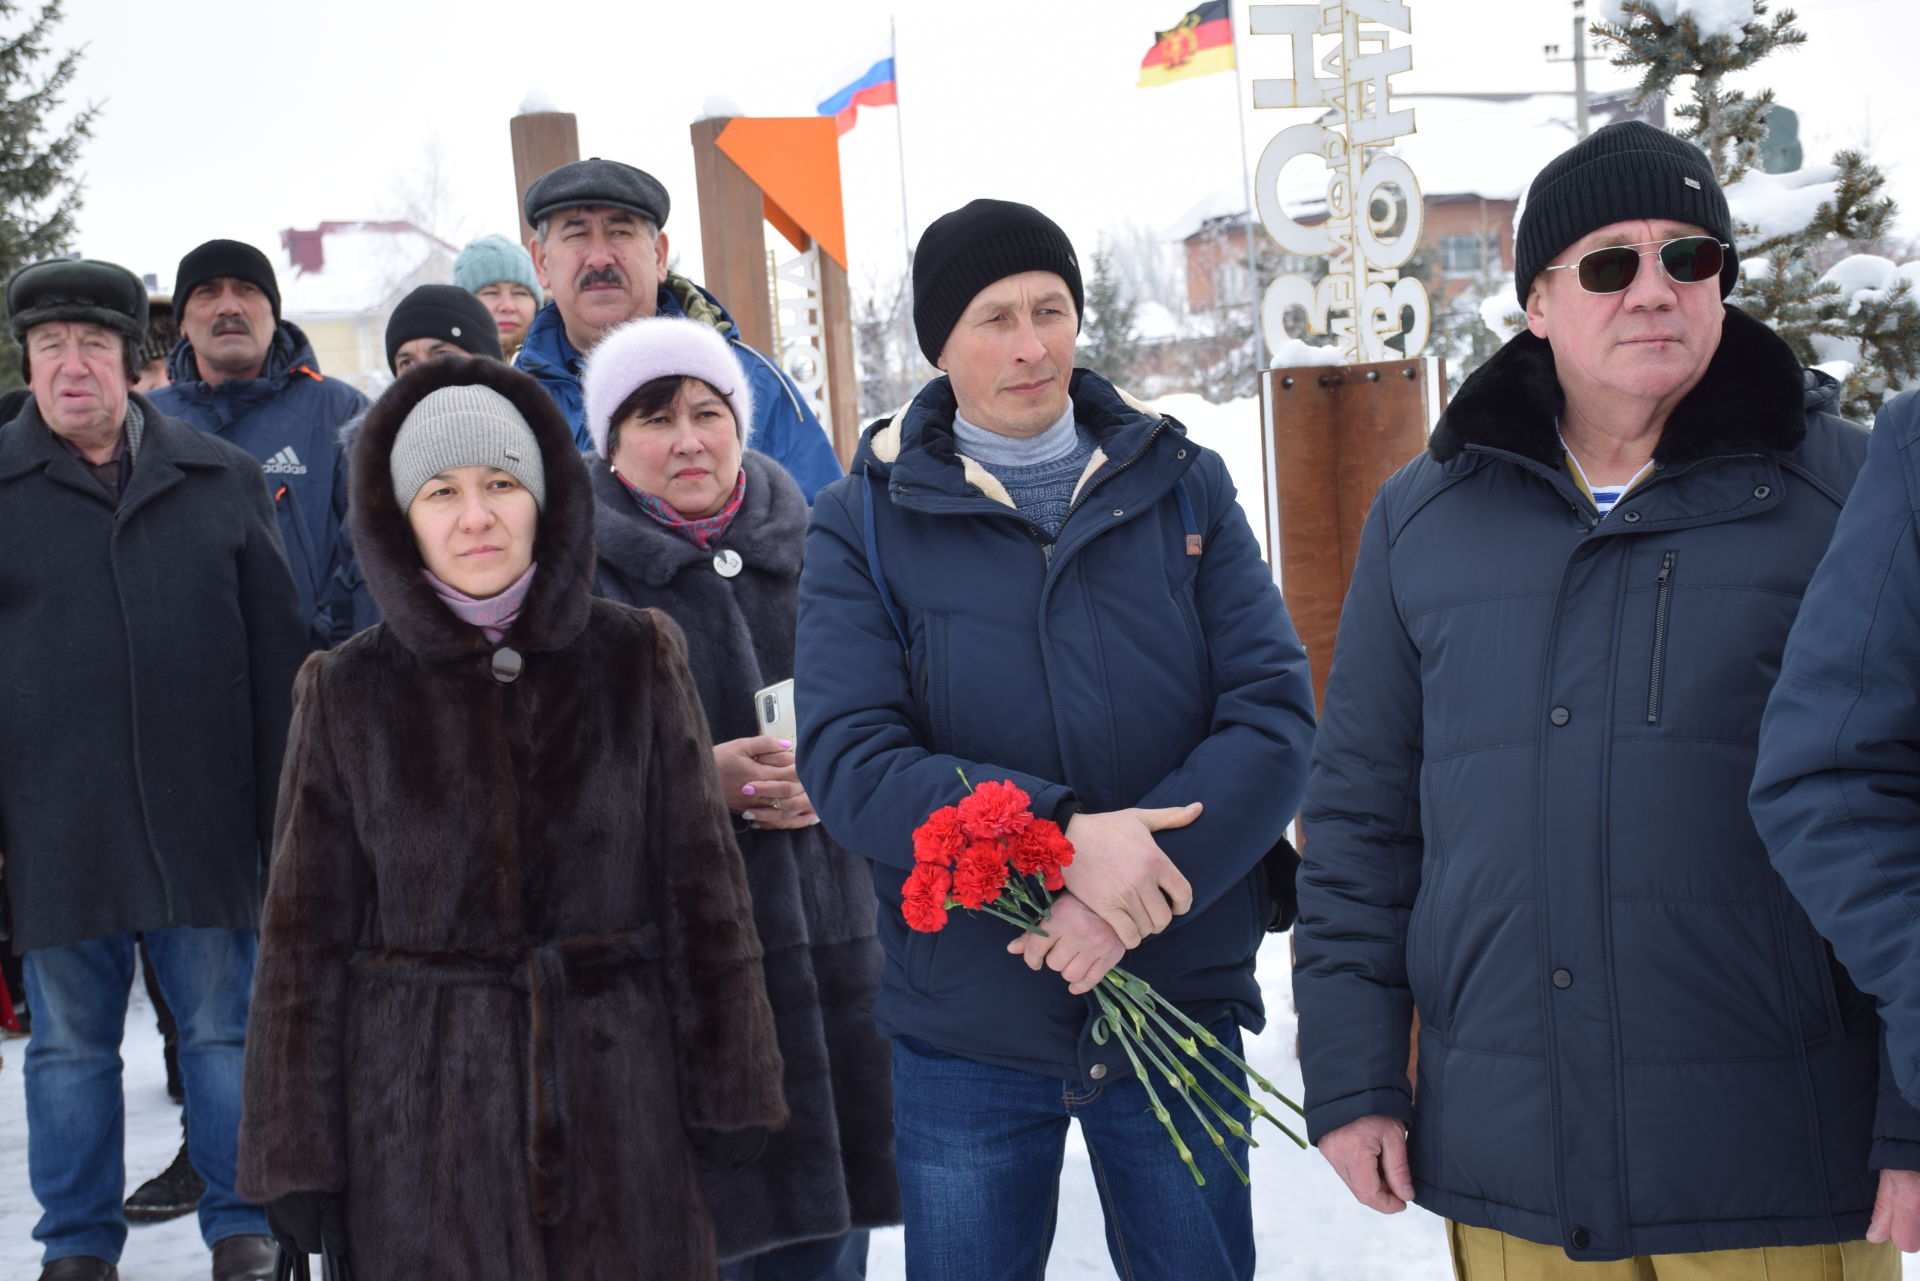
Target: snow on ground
x,y
155,1252
1308,1228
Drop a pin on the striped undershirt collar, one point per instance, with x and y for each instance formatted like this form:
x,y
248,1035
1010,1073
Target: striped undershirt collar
x,y
1603,497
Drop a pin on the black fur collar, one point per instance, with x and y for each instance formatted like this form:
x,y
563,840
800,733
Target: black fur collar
x,y
769,531
1748,401
556,606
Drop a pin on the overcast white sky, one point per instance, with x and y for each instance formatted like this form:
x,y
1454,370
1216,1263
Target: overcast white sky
x,y
222,118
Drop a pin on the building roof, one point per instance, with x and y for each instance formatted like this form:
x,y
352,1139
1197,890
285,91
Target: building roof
x,y
344,269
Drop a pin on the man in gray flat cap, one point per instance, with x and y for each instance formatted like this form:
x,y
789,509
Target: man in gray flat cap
x,y
600,251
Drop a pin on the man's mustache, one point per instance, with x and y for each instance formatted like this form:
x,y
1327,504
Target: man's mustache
x,y
229,325
601,276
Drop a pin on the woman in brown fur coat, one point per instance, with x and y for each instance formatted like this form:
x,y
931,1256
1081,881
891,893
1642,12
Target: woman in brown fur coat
x,y
509,993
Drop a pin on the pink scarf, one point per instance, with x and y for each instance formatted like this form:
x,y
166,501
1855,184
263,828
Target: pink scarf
x,y
494,614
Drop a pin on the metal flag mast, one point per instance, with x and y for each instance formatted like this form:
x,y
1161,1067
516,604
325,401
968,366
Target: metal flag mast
x,y
1246,186
900,137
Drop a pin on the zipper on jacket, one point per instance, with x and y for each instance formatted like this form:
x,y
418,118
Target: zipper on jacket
x,y
1662,606
1125,463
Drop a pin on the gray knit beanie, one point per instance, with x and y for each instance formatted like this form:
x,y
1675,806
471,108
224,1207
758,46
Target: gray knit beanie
x,y
465,426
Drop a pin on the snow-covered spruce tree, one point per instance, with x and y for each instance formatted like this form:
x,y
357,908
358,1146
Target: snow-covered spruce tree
x,y
1875,330
1108,344
39,192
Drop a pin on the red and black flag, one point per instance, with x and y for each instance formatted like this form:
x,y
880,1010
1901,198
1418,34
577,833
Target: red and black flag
x,y
1198,45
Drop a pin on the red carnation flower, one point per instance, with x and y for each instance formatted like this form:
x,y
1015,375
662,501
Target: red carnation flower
x,y
980,874
940,840
995,809
923,899
1041,850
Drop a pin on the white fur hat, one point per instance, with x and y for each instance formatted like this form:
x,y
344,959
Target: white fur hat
x,y
640,351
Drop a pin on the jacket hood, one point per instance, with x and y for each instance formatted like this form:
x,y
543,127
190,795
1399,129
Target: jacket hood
x,y
289,352
1750,400
556,607
1823,392
918,438
543,348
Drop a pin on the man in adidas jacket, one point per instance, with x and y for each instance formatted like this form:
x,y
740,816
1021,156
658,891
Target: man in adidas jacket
x,y
244,374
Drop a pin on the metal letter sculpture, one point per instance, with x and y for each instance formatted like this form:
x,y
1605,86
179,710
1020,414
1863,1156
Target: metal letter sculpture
x,y
1374,208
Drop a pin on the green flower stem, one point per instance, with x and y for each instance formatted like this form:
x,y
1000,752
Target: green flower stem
x,y
1030,927
1153,1097
1024,893
1142,993
1207,1038
1191,1048
1183,1082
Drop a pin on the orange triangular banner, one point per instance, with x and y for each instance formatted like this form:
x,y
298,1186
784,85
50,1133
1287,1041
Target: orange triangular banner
x,y
796,163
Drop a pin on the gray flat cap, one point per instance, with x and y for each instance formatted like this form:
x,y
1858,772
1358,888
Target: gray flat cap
x,y
597,182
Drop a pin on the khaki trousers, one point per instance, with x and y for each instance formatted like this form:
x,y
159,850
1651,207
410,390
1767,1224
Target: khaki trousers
x,y
1482,1254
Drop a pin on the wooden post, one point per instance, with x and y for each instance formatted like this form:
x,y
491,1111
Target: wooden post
x,y
1338,431
542,142
843,388
733,238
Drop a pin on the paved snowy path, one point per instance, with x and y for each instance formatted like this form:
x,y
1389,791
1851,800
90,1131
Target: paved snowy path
x,y
1309,1228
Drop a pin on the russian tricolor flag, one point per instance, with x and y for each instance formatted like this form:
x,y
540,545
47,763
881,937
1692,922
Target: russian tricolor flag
x,y
870,88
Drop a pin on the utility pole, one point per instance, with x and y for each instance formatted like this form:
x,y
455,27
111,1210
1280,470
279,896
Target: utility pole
x,y
1579,61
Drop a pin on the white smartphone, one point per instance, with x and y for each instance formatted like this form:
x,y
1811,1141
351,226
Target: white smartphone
x,y
773,708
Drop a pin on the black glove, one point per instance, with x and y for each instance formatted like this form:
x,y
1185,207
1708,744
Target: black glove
x,y
729,1149
308,1223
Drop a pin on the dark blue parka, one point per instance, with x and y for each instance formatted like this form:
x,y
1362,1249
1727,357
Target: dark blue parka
x,y
1837,790
290,419
1528,819
1110,667
785,427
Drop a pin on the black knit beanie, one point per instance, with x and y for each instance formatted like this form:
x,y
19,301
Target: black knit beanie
x,y
446,312
219,258
963,252
1625,171
82,290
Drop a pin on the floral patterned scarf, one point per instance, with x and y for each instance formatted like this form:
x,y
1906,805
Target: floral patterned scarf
x,y
702,533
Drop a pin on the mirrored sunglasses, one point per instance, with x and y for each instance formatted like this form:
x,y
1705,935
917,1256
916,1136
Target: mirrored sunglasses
x,y
1687,260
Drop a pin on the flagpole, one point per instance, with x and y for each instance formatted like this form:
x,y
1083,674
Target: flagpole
x,y
1246,177
900,137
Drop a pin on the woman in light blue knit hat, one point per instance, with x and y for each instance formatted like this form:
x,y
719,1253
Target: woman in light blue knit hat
x,y
499,273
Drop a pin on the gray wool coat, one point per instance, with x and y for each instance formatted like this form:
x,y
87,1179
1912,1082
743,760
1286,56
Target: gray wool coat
x,y
151,647
831,1170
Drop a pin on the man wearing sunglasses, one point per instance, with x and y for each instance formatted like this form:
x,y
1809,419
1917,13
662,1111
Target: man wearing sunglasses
x,y
1527,817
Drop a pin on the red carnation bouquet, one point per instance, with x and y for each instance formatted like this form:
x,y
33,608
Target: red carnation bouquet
x,y
991,854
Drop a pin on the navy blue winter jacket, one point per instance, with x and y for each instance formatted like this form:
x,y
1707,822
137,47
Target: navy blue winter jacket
x,y
1110,667
1837,790
785,427
290,419
1528,819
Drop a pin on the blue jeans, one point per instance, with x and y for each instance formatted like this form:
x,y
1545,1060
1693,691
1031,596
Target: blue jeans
x,y
980,1149
76,1112
841,1258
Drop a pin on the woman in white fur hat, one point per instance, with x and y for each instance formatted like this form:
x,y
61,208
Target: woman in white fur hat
x,y
690,521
